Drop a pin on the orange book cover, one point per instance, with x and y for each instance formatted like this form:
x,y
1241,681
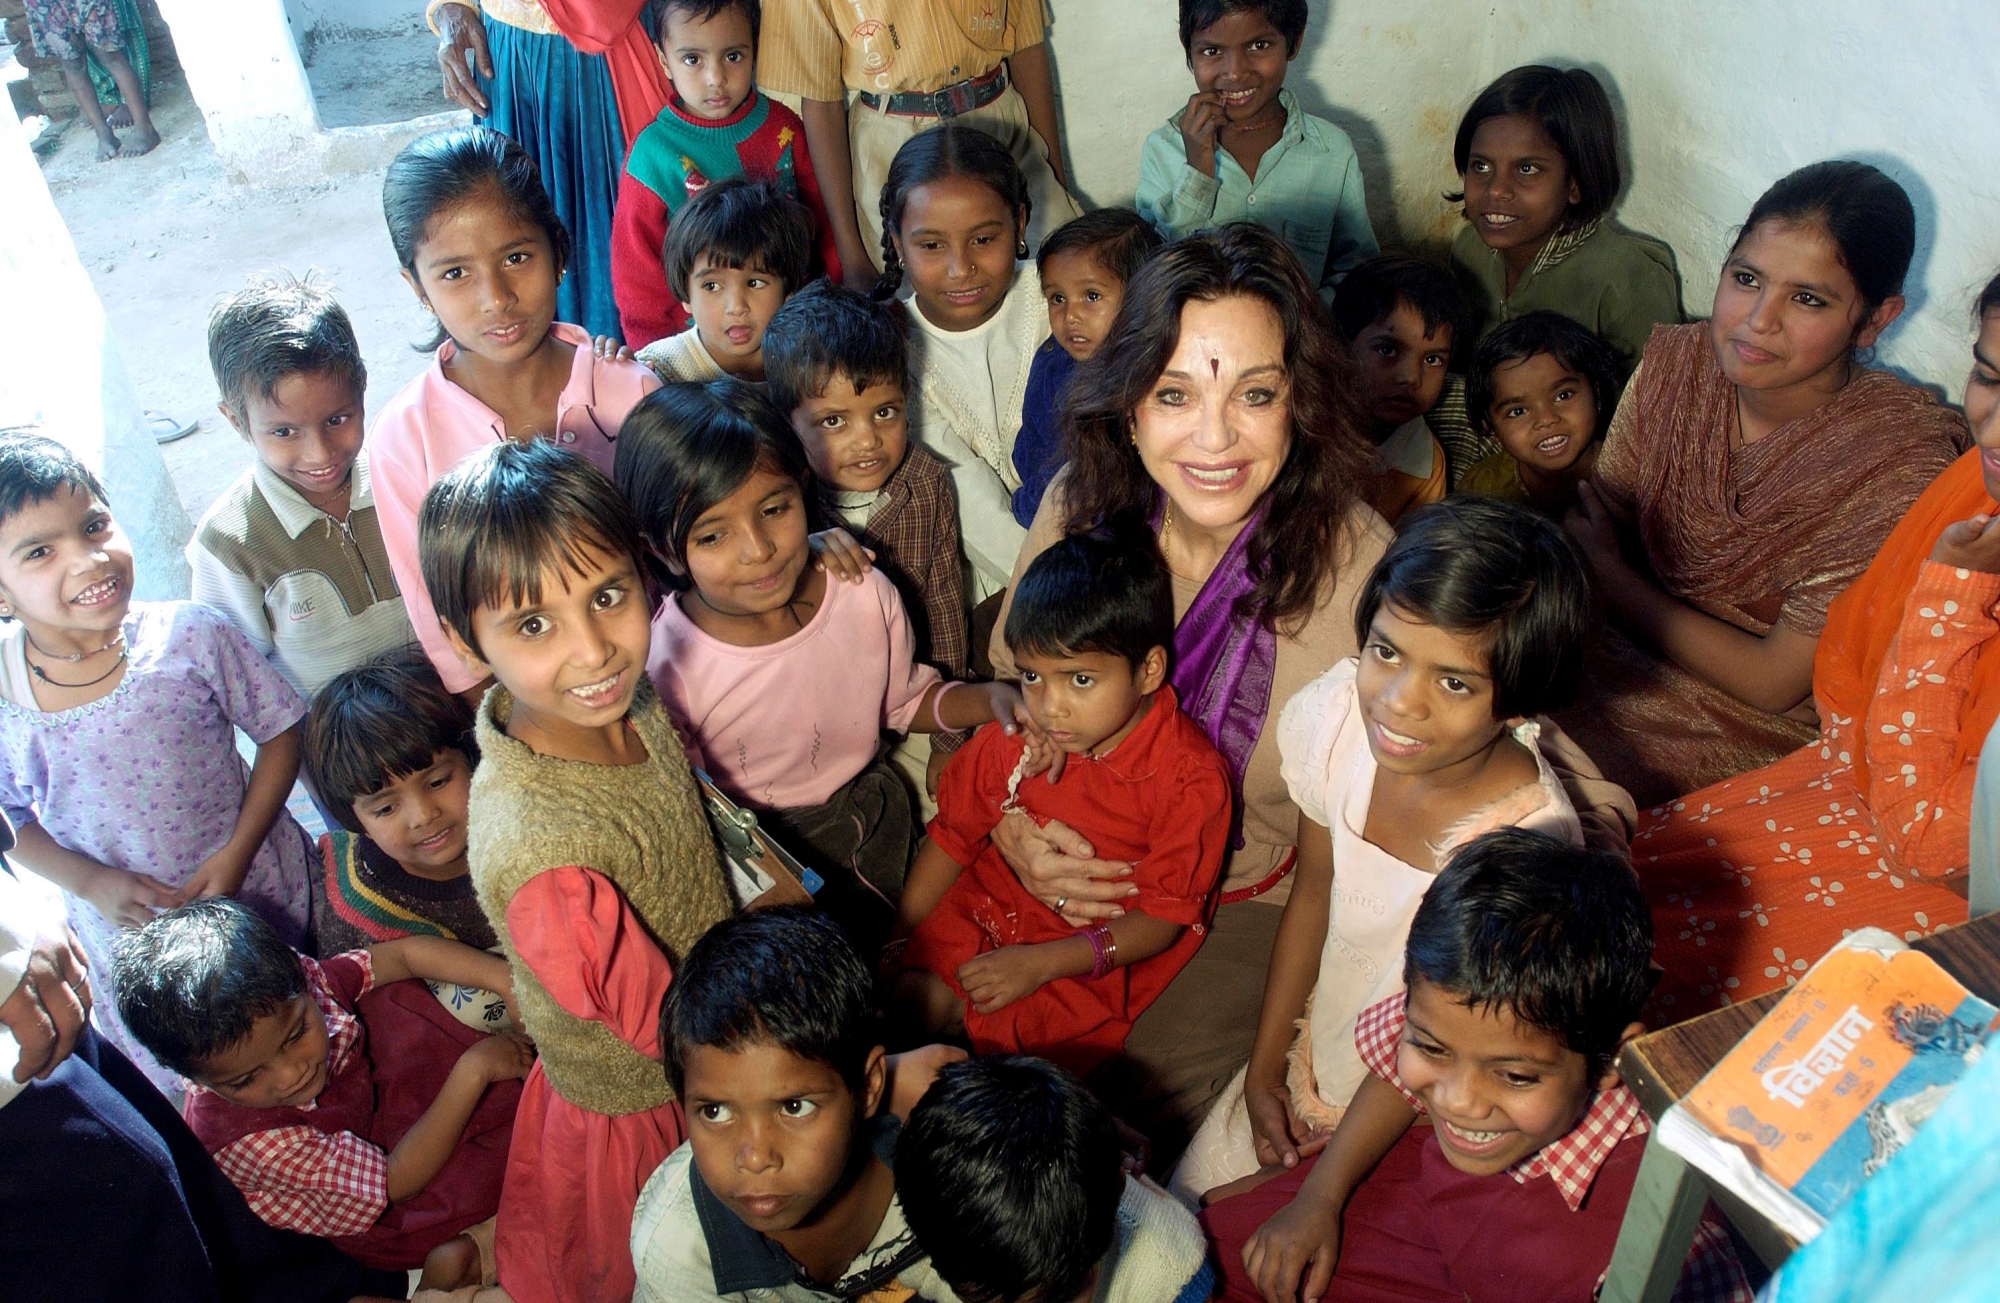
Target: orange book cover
x,y
1841,1072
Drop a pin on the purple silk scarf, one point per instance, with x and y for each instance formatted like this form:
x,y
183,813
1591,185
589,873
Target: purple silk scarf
x,y
1224,664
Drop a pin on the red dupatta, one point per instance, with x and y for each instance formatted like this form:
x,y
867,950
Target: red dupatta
x,y
1862,623
611,28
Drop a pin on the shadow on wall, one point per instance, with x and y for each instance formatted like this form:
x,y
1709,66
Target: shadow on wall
x,y
1371,150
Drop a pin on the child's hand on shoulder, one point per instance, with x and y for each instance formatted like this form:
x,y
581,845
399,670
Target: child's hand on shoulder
x,y
504,1057
127,899
1201,124
606,348
841,555
1302,1240
996,979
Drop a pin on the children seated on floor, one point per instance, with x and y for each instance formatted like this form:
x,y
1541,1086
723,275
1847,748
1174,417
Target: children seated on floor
x,y
1400,317
1471,625
588,844
784,1189
118,721
736,251
1002,1151
1526,966
716,125
1083,267
1544,388
292,552
1243,150
1089,628
390,753
340,1098
780,679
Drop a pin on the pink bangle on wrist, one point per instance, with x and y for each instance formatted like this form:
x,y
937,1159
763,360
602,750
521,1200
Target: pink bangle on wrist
x,y
1102,947
937,703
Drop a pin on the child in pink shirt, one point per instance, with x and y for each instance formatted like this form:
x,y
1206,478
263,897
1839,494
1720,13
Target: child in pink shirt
x,y
481,245
780,679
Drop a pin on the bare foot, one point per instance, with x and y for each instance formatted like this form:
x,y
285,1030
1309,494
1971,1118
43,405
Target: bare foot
x,y
107,146
141,143
120,116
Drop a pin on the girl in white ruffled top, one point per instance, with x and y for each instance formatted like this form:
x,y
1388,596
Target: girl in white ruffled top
x,y
1472,623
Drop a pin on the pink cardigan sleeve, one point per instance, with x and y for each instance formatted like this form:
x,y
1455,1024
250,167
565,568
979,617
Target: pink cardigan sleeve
x,y
400,478
583,943
909,678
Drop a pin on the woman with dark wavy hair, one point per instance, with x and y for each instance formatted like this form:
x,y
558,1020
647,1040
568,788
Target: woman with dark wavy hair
x,y
1221,413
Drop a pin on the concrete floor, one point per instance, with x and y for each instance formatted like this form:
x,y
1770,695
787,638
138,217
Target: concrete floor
x,y
165,235
360,79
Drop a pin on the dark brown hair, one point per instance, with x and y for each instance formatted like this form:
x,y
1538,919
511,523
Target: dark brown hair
x,y
1571,108
383,719
1318,487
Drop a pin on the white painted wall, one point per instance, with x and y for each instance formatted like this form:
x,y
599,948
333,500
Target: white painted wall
x,y
1717,101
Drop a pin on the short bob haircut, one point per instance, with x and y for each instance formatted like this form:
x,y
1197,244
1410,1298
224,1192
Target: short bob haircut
x,y
1558,936
1288,16
436,173
687,447
511,518
786,977
377,722
1307,533
196,980
1861,210
1100,593
1374,288
1118,238
34,468
280,326
1478,566
1010,1176
828,330
1577,347
1571,108
738,223
653,16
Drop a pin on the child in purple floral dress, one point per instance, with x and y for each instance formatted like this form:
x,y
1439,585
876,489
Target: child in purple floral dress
x,y
118,757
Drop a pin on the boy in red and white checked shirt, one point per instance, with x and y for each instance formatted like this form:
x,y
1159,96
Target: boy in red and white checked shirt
x,y
1525,966
343,1100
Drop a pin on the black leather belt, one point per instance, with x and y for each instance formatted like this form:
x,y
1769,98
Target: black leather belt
x,y
963,97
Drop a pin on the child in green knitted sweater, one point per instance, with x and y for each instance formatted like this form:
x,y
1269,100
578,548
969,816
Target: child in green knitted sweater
x,y
587,843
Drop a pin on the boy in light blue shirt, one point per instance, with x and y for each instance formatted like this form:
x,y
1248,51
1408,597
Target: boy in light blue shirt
x,y
1243,149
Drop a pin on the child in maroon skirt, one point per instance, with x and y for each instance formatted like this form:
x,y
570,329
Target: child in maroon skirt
x,y
1089,628
343,1100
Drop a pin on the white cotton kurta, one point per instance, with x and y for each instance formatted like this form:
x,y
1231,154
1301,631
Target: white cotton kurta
x,y
1326,763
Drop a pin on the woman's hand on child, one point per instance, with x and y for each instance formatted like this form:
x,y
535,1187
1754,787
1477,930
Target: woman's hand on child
x,y
912,1072
504,1057
1292,1256
1058,866
1971,545
1278,1134
841,555
50,1007
996,979
129,899
1201,123
606,348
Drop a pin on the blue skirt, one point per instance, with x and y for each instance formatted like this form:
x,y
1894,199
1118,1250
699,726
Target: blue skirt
x,y
558,104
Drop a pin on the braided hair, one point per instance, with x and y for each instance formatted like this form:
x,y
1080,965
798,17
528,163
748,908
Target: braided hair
x,y
948,149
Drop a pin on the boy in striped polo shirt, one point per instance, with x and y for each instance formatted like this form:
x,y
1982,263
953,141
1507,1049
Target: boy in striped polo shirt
x,y
716,124
291,552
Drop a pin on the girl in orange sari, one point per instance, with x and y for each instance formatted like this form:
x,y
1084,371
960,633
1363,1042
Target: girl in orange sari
x,y
1753,879
1751,471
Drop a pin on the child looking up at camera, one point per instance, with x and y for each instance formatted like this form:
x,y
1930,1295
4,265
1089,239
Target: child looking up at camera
x,y
1471,624
1400,316
292,551
1537,154
1244,151
1526,967
954,225
118,719
339,1097
716,125
588,845
781,679
1089,629
1002,1148
483,250
1544,388
737,251
1083,266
